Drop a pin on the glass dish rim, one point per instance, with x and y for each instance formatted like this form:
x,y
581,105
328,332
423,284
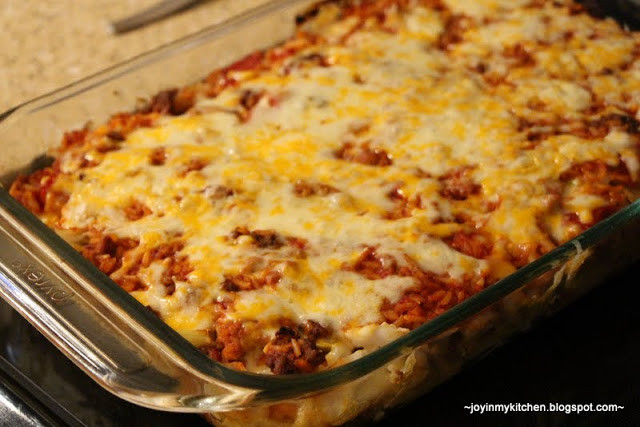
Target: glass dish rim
x,y
268,383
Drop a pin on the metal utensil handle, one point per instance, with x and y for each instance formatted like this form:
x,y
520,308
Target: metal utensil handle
x,y
150,14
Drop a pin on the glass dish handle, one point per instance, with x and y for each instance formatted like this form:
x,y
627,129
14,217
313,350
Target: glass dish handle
x,y
102,342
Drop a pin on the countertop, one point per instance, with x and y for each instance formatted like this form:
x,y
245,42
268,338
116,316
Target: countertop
x,y
46,45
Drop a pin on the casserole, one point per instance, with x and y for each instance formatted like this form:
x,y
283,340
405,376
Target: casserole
x,y
394,382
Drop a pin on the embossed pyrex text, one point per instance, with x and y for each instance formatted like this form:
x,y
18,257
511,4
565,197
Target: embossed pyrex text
x,y
41,283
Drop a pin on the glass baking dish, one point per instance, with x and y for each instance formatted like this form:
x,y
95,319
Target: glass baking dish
x,y
129,351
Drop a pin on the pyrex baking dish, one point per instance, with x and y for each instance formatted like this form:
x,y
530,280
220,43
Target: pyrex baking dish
x,y
129,351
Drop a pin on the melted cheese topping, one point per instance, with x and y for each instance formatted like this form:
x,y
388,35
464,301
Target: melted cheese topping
x,y
396,91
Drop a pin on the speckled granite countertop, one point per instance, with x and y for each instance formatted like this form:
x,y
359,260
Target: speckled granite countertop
x,y
46,45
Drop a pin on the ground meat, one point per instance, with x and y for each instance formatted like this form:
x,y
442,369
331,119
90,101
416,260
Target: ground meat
x,y
616,198
262,238
434,4
227,346
539,130
104,145
598,178
593,171
458,185
130,283
238,282
297,242
160,252
266,238
136,210
177,268
257,273
55,201
380,9
313,330
575,8
194,164
171,101
592,129
624,122
125,123
293,351
229,333
307,189
248,100
372,265
403,204
297,247
537,3
375,266
522,254
252,61
277,55
310,60
217,81
520,55
308,14
107,251
34,191
116,135
475,244
240,231
219,192
596,129
158,156
248,282
74,138
363,154
161,103
454,29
